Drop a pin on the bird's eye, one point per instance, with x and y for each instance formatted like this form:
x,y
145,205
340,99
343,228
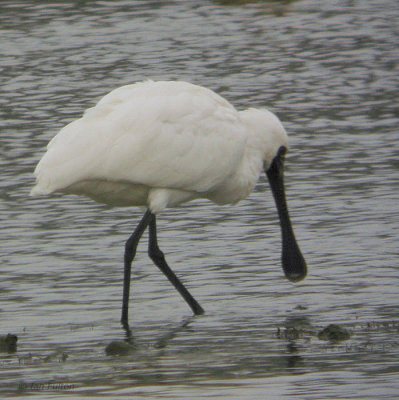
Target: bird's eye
x,y
282,151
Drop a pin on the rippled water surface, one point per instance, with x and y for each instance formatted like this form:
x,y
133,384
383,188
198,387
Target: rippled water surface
x,y
330,71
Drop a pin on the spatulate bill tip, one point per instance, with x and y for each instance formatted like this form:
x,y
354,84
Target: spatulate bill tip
x,y
294,266
296,277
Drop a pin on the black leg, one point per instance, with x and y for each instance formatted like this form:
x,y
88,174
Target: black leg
x,y
130,252
159,260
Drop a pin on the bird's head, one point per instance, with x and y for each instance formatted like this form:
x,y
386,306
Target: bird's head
x,y
267,135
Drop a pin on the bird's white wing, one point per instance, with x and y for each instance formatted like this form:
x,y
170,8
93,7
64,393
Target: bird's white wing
x,y
159,134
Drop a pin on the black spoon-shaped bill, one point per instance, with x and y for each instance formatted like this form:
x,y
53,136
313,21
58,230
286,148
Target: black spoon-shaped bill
x,y
294,265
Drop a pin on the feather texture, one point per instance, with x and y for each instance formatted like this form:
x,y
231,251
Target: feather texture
x,y
158,144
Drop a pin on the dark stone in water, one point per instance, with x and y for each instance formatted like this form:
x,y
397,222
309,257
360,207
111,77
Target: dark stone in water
x,y
8,343
119,348
334,333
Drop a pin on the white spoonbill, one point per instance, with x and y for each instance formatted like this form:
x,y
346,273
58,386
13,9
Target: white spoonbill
x,y
159,144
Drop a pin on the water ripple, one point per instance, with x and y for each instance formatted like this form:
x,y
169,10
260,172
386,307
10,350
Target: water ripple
x,y
330,71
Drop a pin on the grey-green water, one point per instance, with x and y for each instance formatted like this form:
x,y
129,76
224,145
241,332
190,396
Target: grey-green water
x,y
330,71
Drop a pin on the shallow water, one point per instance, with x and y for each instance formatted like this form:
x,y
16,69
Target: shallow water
x,y
330,71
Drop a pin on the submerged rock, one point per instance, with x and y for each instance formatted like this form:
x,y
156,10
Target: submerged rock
x,y
119,348
334,333
58,355
8,343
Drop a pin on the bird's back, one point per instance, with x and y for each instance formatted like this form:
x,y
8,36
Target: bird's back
x,y
155,134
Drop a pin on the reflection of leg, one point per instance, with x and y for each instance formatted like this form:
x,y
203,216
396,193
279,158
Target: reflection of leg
x,y
172,332
159,260
130,252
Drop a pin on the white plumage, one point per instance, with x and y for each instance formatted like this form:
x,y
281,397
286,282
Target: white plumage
x,y
158,144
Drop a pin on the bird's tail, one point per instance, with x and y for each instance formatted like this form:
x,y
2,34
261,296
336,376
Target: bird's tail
x,y
40,190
